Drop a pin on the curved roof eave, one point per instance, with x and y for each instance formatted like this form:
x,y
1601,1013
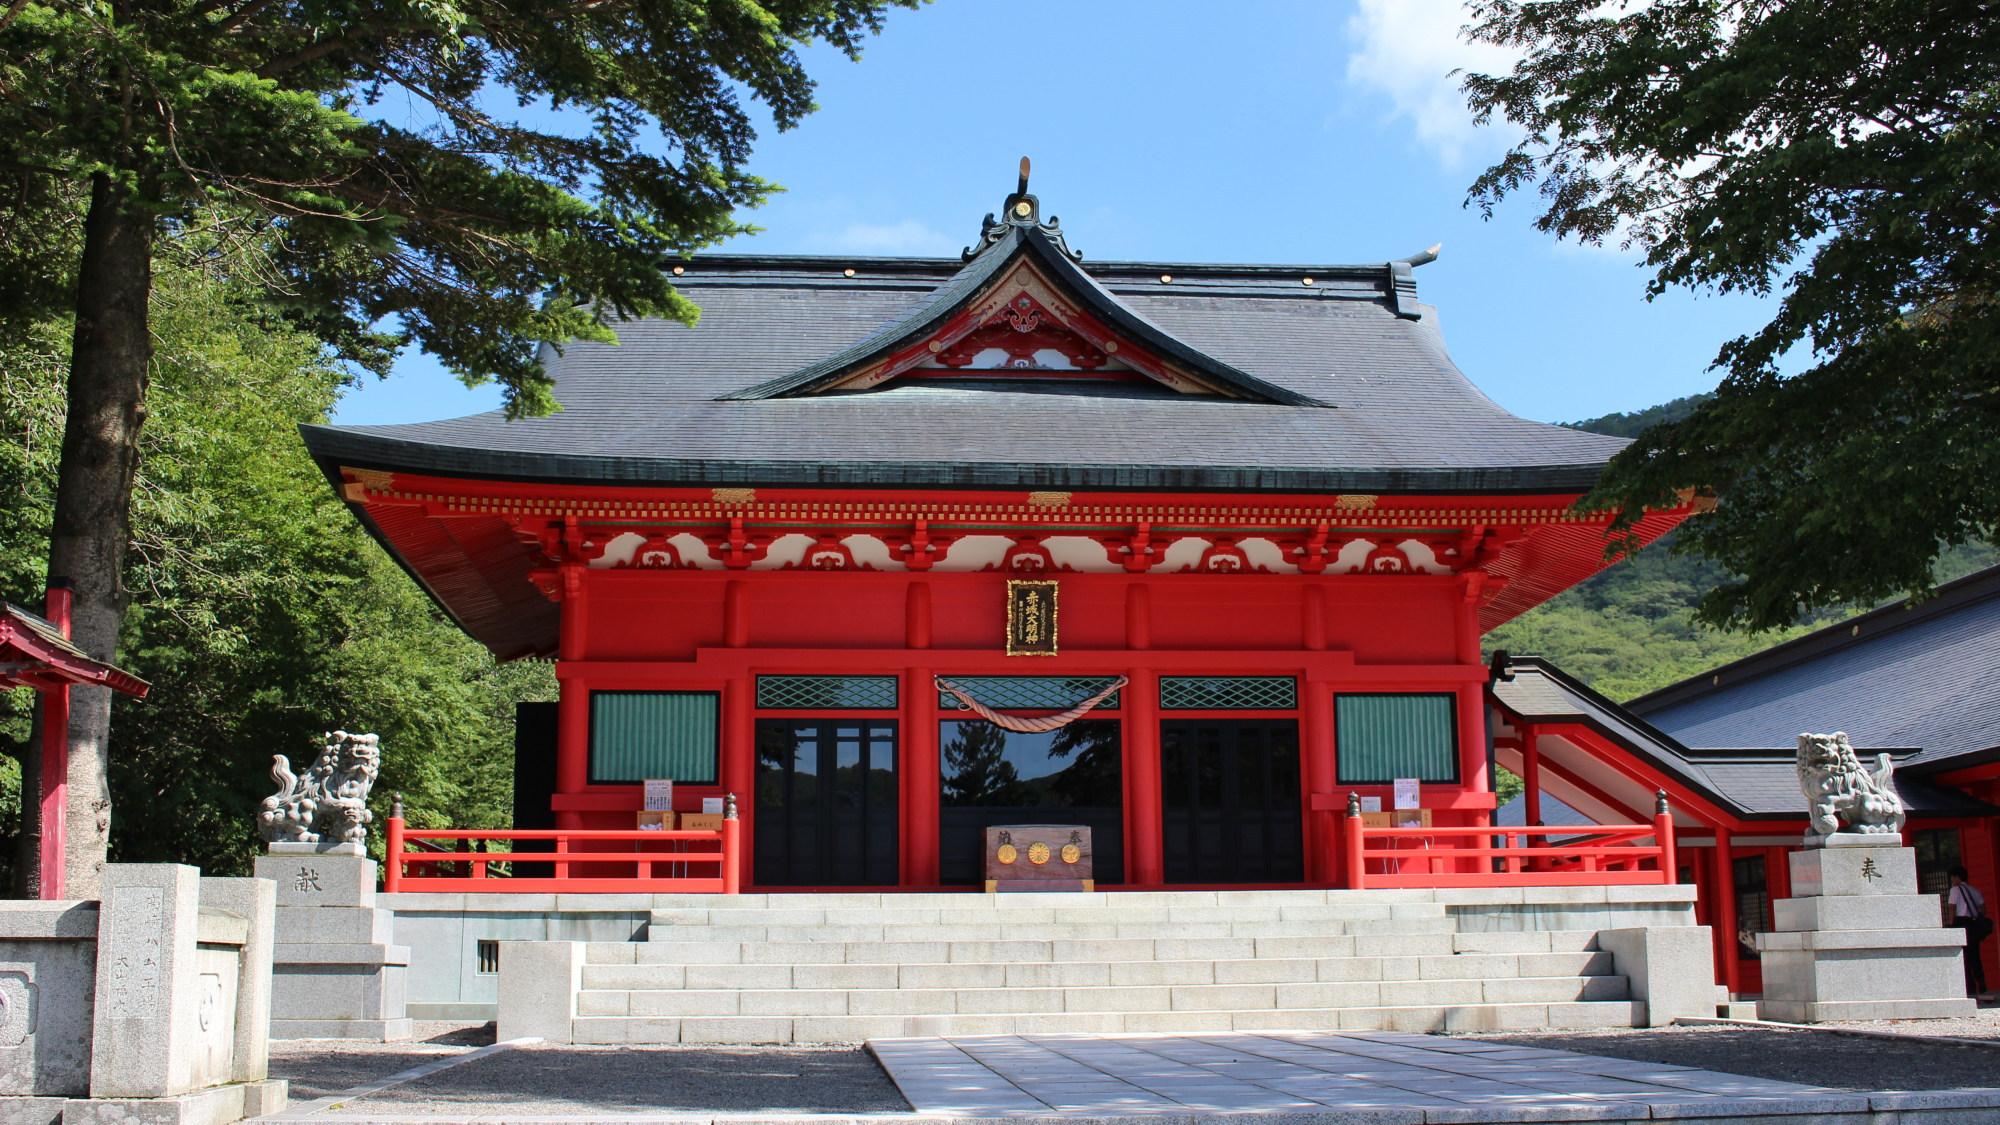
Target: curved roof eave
x,y
335,446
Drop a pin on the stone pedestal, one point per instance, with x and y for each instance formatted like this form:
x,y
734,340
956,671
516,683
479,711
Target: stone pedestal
x,y
336,973
1857,942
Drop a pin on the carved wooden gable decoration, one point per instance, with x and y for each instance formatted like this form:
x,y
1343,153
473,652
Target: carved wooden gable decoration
x,y
1022,307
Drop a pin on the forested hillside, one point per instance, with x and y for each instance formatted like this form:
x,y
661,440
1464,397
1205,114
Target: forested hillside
x,y
1628,631
262,613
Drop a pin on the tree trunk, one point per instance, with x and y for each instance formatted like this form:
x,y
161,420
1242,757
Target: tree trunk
x,y
108,365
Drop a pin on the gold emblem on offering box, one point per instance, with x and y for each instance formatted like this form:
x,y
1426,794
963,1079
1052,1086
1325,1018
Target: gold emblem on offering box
x,y
1006,854
1031,618
1038,853
1071,853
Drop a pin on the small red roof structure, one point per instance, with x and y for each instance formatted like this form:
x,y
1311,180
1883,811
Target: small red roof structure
x,y
34,653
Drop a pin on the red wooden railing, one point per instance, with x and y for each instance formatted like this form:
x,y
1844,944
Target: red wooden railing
x,y
583,861
1574,855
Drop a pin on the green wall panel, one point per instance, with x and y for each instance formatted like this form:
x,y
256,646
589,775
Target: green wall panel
x,y
1380,738
635,735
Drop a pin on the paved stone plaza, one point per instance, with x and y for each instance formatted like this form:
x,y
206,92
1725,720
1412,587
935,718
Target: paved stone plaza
x,y
1296,1072
1276,1078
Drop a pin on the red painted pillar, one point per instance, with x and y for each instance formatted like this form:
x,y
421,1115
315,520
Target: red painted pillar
x,y
1323,829
1144,817
55,757
1474,771
1531,777
1138,616
573,706
739,754
921,782
1725,911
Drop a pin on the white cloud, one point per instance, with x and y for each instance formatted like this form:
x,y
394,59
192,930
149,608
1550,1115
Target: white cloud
x,y
909,237
1406,50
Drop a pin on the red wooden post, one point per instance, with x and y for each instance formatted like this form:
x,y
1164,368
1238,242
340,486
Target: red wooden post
x,y
1356,865
1145,816
732,848
55,757
1725,911
1531,777
392,848
920,780
1663,838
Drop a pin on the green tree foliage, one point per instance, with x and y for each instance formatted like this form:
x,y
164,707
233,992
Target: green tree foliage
x,y
263,615
483,178
1633,627
1845,156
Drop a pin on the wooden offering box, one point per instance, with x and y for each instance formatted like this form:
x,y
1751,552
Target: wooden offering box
x,y
1038,857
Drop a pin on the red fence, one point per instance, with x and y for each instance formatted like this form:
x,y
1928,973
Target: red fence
x,y
577,862
1576,855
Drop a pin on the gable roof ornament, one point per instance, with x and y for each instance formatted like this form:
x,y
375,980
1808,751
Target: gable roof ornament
x,y
1020,210
1023,287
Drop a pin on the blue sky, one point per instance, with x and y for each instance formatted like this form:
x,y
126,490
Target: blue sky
x,y
1272,131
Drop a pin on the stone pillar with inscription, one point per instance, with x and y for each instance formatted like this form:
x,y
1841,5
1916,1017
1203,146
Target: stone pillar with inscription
x,y
1857,942
336,974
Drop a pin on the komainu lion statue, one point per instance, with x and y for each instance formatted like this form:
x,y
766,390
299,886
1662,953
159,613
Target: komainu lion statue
x,y
330,803
1836,787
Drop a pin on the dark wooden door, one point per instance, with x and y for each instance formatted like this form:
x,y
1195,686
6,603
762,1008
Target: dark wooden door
x,y
826,803
1230,801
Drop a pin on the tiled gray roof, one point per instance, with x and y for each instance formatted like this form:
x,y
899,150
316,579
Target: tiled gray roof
x,y
1926,676
1760,782
651,409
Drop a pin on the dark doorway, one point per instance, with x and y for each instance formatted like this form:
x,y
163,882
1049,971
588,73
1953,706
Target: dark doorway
x,y
826,803
1230,797
995,776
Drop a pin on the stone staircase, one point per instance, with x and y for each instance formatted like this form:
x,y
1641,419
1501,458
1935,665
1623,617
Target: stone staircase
x,y
844,968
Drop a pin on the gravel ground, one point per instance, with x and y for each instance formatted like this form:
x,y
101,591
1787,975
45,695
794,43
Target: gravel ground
x,y
561,1079
1816,1058
318,1067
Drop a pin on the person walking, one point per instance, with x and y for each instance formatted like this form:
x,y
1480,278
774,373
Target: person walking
x,y
1968,913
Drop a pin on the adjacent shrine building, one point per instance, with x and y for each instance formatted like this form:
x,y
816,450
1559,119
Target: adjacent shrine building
x,y
1254,512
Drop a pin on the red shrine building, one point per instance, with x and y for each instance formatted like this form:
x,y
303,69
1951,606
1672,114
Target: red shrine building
x,y
1252,516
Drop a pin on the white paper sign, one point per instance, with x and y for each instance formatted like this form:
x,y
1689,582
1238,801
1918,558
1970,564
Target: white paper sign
x,y
1371,804
1406,793
659,796
712,805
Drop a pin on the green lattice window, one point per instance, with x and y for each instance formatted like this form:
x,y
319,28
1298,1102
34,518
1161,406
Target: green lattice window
x,y
826,693
1031,693
637,735
1228,693
1379,738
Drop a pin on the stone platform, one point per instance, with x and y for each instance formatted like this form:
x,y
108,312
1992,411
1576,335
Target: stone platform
x,y
844,968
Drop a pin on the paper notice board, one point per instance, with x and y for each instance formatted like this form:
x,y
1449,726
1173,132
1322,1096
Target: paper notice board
x,y
659,796
1406,793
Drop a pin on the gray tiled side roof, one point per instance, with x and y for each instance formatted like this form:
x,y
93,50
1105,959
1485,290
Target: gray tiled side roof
x,y
1761,782
1927,677
646,411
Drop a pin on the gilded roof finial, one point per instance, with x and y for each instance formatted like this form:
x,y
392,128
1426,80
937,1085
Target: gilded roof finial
x,y
1020,210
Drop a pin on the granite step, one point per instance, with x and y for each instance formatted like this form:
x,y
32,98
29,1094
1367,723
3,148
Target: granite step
x,y
1002,930
906,1000
634,976
856,1029
1047,911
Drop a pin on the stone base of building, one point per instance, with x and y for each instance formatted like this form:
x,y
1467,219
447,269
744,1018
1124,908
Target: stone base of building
x,y
385,1031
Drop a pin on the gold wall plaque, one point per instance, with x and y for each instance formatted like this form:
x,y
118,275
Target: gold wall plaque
x,y
1038,853
1031,618
1006,854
